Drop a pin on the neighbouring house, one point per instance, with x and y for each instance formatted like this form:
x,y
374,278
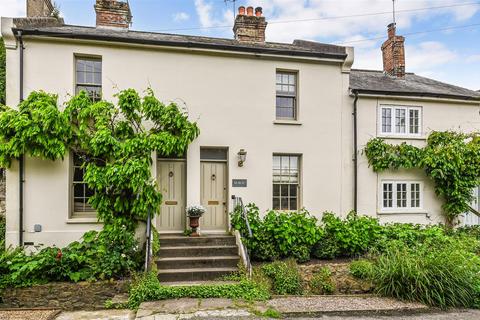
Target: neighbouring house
x,y
276,121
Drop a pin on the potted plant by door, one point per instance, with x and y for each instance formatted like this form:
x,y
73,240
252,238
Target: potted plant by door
x,y
194,213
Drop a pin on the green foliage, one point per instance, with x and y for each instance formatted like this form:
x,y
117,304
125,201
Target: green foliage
x,y
321,282
155,241
148,288
114,143
285,277
3,79
278,234
450,159
361,269
437,274
352,236
99,255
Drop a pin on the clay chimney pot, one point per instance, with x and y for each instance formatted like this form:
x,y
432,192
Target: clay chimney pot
x,y
241,10
258,11
250,11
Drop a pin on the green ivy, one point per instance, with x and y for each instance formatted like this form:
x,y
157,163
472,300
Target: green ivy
x,y
450,159
116,143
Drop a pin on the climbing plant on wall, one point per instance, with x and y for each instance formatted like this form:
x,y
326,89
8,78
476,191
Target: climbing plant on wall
x,y
450,159
115,141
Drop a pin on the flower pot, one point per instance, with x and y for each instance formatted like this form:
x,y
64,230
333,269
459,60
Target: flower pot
x,y
194,223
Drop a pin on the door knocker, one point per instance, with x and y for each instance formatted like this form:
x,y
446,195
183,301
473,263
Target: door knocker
x,y
170,174
214,177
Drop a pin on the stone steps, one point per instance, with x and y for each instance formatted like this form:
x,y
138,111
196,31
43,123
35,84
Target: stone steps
x,y
192,259
194,274
197,262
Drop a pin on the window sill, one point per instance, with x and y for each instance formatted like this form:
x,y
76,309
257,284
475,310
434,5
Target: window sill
x,y
83,221
401,137
418,211
287,122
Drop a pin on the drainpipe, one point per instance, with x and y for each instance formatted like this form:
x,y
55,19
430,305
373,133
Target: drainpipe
x,y
355,153
21,176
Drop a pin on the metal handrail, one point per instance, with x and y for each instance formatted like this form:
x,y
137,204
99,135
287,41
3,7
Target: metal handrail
x,y
238,202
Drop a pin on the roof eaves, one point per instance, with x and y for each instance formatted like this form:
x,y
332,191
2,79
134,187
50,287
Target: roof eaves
x,y
187,44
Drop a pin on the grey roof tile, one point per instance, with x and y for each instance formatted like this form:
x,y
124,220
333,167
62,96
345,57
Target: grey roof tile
x,y
372,81
298,48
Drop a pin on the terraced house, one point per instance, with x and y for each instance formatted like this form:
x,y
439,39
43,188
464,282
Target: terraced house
x,y
282,124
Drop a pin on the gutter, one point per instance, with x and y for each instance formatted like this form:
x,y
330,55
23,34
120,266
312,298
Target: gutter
x,y
183,44
21,176
416,96
355,153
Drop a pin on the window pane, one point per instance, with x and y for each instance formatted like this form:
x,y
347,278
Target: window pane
x,y
89,77
386,120
293,204
387,195
401,195
276,203
284,203
400,121
276,190
284,190
415,195
286,107
414,121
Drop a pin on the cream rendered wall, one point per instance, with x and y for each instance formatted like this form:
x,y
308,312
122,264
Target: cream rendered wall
x,y
438,115
233,99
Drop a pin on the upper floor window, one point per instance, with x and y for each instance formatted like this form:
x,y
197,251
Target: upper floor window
x,y
81,191
400,120
286,178
286,96
89,76
401,195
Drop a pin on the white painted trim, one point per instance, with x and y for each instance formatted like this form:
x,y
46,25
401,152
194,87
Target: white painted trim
x,y
418,98
395,210
401,135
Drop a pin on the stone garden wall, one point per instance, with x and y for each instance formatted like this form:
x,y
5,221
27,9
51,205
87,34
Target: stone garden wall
x,y
65,296
344,282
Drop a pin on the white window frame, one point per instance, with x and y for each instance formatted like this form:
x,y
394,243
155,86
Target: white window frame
x,y
395,208
394,109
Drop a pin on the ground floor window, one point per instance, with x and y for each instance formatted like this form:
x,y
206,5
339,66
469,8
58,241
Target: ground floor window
x,y
81,191
286,182
403,195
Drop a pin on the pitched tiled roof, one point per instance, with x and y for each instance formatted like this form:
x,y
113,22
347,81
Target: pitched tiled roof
x,y
297,48
377,82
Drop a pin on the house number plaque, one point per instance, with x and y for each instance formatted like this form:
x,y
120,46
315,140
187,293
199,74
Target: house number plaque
x,y
239,183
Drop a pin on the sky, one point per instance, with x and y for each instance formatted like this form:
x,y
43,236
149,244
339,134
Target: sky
x,y
451,54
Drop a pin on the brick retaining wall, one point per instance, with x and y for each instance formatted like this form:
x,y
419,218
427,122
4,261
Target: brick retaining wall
x,y
66,296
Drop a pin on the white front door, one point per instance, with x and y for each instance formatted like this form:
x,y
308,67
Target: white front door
x,y
171,180
214,196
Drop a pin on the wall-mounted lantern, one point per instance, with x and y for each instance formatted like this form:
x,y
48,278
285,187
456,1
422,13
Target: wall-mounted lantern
x,y
242,156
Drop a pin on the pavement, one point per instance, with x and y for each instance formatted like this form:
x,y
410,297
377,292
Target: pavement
x,y
319,307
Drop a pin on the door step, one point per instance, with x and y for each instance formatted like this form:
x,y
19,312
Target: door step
x,y
196,274
197,251
198,262
182,241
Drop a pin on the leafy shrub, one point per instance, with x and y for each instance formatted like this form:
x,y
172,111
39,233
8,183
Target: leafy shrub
x,y
111,253
437,274
285,277
361,269
352,236
148,288
322,282
278,234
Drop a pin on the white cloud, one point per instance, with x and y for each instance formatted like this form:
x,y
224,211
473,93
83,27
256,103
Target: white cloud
x,y
473,58
285,10
12,8
181,16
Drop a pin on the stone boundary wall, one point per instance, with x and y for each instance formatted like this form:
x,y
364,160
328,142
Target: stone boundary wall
x,y
64,295
345,283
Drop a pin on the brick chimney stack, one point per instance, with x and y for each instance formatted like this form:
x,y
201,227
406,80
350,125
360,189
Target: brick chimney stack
x,y
39,8
250,27
393,51
113,14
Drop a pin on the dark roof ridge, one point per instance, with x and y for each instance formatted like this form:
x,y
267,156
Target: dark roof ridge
x,y
376,71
